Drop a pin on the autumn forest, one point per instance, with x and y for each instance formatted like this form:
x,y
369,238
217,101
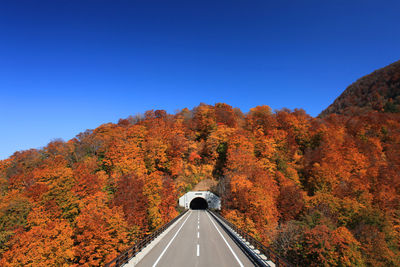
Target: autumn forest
x,y
318,190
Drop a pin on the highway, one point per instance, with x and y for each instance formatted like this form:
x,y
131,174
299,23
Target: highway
x,y
197,240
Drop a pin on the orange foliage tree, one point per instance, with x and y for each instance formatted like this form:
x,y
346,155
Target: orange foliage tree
x,y
46,242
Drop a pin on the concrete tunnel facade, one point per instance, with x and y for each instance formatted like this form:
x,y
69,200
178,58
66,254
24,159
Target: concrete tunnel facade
x,y
200,200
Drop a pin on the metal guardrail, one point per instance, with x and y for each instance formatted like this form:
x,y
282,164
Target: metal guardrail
x,y
131,252
271,255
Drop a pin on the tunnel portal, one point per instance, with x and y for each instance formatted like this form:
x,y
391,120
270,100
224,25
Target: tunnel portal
x,y
198,203
200,200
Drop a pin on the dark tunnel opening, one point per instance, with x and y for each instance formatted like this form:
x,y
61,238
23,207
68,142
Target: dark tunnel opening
x,y
198,203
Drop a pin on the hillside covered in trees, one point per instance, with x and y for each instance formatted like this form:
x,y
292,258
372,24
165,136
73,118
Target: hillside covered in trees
x,y
320,191
379,91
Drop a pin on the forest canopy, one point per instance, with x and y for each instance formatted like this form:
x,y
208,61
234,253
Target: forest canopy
x,y
318,191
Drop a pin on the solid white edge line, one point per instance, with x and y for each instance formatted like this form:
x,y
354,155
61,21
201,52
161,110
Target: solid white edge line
x,y
198,250
234,254
165,249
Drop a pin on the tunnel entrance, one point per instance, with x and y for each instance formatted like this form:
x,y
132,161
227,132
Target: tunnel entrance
x,y
198,203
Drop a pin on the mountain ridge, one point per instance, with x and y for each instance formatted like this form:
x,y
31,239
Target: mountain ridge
x,y
377,91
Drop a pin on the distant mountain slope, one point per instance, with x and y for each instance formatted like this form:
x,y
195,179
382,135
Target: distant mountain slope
x,y
378,91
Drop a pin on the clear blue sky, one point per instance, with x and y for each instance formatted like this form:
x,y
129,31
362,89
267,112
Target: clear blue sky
x,y
68,66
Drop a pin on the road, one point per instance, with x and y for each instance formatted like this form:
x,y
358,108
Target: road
x,y
197,240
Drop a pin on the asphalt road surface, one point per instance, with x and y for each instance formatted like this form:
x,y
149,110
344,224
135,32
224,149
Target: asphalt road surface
x,y
197,240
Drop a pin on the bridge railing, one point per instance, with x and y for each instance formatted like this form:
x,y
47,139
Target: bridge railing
x,y
271,255
131,252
